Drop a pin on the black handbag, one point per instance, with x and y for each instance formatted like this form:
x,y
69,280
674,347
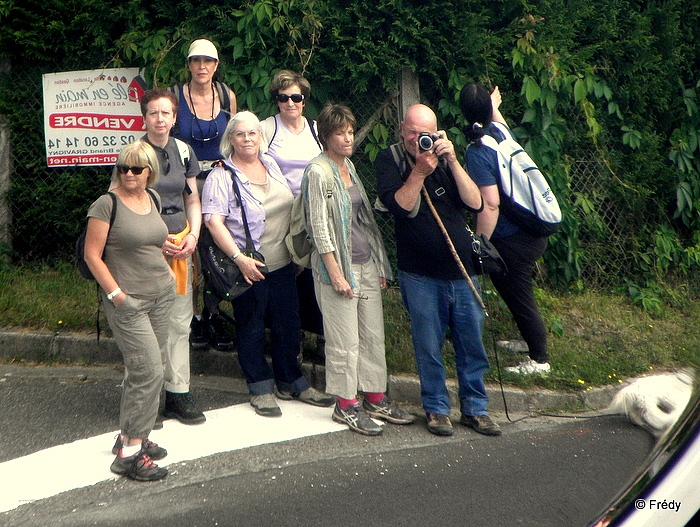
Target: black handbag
x,y
224,279
485,256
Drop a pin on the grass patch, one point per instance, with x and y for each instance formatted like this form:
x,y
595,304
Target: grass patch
x,y
595,339
45,298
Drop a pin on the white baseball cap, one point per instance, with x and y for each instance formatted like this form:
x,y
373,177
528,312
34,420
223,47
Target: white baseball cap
x,y
202,48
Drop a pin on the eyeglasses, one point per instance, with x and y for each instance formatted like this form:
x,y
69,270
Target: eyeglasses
x,y
123,169
296,97
205,136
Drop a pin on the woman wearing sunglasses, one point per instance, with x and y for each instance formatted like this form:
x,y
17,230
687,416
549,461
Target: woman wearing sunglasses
x,y
137,287
293,142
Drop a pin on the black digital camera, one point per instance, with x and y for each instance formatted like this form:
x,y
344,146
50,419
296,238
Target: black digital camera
x,y
426,141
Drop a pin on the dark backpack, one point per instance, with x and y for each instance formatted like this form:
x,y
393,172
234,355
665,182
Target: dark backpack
x,y
526,197
272,122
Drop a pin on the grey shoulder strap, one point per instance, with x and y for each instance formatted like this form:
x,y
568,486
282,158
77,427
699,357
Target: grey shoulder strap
x,y
402,161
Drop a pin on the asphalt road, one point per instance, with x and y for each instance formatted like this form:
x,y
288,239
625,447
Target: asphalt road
x,y
543,471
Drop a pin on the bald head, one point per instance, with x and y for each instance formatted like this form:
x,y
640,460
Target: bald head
x,y
419,118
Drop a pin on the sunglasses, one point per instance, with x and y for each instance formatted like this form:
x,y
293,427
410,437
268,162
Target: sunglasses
x,y
123,169
296,97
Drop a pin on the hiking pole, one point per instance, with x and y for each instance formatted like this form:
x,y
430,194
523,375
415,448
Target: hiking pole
x,y
451,245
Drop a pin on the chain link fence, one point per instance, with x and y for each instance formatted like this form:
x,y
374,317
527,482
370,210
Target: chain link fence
x,y
47,206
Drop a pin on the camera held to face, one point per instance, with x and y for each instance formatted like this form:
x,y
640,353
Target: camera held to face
x,y
426,141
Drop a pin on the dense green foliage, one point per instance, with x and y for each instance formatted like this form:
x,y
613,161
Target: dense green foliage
x,y
615,81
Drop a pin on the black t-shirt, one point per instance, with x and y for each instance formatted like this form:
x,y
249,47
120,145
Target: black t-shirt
x,y
420,244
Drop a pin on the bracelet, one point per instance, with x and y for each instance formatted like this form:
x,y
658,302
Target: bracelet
x,y
193,235
236,255
114,293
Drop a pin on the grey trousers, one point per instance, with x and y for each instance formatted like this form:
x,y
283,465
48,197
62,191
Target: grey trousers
x,y
354,330
140,329
177,361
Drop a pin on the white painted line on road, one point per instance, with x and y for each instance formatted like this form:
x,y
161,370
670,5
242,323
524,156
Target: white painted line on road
x,y
86,462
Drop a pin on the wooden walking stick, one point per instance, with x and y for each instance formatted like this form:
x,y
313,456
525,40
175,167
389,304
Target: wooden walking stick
x,y
451,245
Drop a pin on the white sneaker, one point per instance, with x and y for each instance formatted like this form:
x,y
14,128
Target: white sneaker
x,y
529,367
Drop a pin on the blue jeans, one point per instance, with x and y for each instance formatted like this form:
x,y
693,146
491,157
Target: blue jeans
x,y
434,305
273,300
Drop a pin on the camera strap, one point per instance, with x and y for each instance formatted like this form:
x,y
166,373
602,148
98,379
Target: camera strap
x,y
453,250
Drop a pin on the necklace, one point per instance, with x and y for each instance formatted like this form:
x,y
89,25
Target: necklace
x,y
140,202
197,120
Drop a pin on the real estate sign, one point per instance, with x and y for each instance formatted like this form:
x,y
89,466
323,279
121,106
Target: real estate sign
x,y
89,116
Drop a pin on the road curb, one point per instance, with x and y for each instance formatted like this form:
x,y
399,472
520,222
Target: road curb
x,y
86,350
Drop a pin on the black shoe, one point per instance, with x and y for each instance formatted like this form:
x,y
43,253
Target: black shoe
x,y
151,449
181,406
198,338
219,338
140,467
481,423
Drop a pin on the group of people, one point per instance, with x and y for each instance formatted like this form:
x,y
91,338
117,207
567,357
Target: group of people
x,y
248,174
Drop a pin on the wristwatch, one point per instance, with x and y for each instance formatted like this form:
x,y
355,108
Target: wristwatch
x,y
114,293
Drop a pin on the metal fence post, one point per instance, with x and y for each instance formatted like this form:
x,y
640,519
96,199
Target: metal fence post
x,y
5,169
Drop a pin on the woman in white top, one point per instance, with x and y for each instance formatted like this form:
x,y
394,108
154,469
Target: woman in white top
x,y
293,142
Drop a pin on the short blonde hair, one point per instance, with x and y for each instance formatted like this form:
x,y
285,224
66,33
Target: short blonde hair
x,y
138,153
226,147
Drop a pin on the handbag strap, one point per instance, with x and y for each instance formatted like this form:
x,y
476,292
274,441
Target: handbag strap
x,y
249,247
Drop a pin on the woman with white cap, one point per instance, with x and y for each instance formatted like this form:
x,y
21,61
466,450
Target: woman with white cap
x,y
204,108
205,105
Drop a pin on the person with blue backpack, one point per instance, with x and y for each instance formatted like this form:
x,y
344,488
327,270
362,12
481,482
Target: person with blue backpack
x,y
519,246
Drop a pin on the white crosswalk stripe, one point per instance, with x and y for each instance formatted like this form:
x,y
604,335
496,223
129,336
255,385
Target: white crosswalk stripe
x,y
86,462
